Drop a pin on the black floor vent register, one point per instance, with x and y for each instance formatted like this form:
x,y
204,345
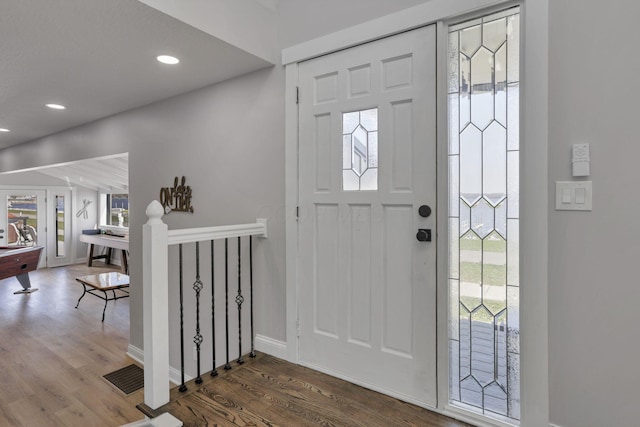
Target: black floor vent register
x,y
128,379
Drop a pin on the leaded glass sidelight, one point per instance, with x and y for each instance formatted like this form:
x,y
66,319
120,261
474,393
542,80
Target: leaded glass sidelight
x,y
484,331
360,150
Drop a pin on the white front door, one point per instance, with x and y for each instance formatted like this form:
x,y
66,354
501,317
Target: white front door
x,y
23,219
367,285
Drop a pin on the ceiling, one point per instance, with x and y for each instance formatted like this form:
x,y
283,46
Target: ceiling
x,y
105,174
97,58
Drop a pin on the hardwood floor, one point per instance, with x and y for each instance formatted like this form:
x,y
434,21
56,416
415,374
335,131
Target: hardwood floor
x,y
267,391
53,356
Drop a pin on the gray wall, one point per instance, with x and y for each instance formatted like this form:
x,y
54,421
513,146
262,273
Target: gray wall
x,y
228,141
593,257
303,20
79,143
30,178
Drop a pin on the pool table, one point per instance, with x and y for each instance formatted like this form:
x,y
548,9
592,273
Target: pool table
x,y
18,261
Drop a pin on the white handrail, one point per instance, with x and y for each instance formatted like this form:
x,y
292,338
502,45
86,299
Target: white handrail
x,y
188,235
155,291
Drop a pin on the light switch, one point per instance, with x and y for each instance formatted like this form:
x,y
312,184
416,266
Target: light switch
x,y
574,196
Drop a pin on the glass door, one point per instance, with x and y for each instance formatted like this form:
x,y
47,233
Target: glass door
x,y
59,239
23,219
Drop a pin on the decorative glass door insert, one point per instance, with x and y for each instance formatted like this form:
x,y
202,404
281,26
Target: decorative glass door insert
x,y
484,347
360,150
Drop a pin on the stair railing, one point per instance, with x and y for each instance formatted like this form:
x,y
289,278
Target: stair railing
x,y
155,283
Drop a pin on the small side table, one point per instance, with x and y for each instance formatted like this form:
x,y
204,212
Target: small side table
x,y
99,284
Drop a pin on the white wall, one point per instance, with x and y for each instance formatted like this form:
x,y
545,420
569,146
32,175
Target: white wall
x,y
594,287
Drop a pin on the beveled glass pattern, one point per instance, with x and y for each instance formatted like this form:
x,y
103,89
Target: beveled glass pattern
x,y
484,196
360,150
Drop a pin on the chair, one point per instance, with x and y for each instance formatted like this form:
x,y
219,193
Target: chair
x,y
33,234
14,236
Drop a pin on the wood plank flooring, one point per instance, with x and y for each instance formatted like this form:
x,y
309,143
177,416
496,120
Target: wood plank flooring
x,y
267,391
53,356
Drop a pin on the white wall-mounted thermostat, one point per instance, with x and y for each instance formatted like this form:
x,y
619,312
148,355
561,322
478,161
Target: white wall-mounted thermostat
x,y
581,160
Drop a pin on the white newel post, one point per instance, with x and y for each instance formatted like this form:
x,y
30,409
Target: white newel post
x,y
155,294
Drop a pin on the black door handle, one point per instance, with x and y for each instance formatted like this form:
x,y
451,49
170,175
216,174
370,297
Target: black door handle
x,y
424,235
424,211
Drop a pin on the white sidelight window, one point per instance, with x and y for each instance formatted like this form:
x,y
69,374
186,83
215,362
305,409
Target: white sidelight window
x,y
484,157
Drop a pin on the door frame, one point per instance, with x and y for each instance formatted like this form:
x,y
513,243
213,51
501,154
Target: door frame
x,y
50,191
533,186
41,216
69,258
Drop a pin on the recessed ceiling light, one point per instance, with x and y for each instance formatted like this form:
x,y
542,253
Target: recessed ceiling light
x,y
56,106
4,130
166,59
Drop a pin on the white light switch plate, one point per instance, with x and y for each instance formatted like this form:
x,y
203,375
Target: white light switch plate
x,y
566,192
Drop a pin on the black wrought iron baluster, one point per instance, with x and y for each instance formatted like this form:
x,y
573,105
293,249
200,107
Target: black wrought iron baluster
x,y
227,366
197,339
183,386
239,301
253,348
214,371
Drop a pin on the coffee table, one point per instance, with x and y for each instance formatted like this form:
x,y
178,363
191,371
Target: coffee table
x,y
100,284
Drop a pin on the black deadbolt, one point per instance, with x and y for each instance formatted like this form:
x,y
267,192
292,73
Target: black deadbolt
x,y
424,235
424,211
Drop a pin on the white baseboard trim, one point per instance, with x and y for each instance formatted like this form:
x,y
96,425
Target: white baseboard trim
x,y
373,387
175,377
270,346
470,416
136,354
174,374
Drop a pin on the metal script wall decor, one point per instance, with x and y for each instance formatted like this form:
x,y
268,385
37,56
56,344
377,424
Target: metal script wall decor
x,y
176,198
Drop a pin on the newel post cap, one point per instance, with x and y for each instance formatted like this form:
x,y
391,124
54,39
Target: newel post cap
x,y
154,213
